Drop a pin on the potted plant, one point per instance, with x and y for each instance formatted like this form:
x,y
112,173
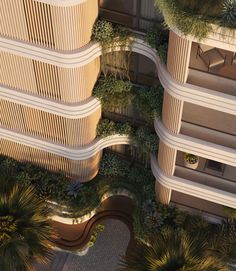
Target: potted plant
x,y
191,160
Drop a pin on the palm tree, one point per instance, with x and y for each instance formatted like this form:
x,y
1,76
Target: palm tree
x,y
173,250
24,228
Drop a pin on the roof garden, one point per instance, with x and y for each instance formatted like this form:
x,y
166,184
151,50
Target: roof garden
x,y
197,17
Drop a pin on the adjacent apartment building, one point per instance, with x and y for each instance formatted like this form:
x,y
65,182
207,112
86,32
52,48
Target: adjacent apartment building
x,y
49,67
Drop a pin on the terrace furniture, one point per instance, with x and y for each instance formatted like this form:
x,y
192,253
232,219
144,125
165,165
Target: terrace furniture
x,y
211,56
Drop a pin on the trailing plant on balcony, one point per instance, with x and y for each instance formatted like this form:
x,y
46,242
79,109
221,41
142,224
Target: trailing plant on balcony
x,y
116,42
148,101
113,93
108,127
195,17
142,137
103,32
145,140
158,39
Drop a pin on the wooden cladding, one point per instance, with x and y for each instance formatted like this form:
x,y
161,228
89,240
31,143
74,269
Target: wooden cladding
x,y
61,28
172,113
166,158
66,85
70,132
179,50
163,194
83,170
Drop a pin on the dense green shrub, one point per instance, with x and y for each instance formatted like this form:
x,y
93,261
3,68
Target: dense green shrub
x,y
113,93
143,138
158,39
47,184
113,166
146,140
108,127
148,101
195,17
103,31
186,22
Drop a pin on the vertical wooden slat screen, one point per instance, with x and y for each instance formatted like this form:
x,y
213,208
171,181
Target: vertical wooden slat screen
x,y
70,132
67,85
83,170
64,28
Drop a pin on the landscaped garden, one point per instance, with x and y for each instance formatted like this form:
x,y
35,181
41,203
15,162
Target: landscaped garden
x,y
152,221
196,17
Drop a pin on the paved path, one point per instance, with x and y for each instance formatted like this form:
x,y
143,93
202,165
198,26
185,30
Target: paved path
x,y
103,256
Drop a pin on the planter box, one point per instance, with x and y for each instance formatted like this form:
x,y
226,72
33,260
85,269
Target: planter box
x,y
192,166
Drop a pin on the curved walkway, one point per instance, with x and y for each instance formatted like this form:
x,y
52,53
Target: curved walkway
x,y
110,245
75,236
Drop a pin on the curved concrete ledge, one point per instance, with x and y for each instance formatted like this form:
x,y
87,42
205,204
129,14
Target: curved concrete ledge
x,y
192,188
81,153
84,237
62,3
84,218
196,146
66,110
185,92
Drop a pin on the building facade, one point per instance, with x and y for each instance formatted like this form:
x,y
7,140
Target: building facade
x,y
49,67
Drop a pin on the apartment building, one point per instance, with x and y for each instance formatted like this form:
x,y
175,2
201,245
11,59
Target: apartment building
x,y
49,67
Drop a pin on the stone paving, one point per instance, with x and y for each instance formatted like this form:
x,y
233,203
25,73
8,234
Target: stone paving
x,y
103,256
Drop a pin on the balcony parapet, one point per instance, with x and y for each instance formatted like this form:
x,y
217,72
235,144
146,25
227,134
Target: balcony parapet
x,y
185,92
196,146
192,188
81,153
66,110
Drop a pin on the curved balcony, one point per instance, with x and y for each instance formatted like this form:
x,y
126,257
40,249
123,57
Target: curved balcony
x,y
80,153
193,188
196,146
184,92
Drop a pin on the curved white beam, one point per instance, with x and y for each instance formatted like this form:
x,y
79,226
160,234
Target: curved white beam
x,y
63,3
196,146
66,110
81,153
192,188
185,92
